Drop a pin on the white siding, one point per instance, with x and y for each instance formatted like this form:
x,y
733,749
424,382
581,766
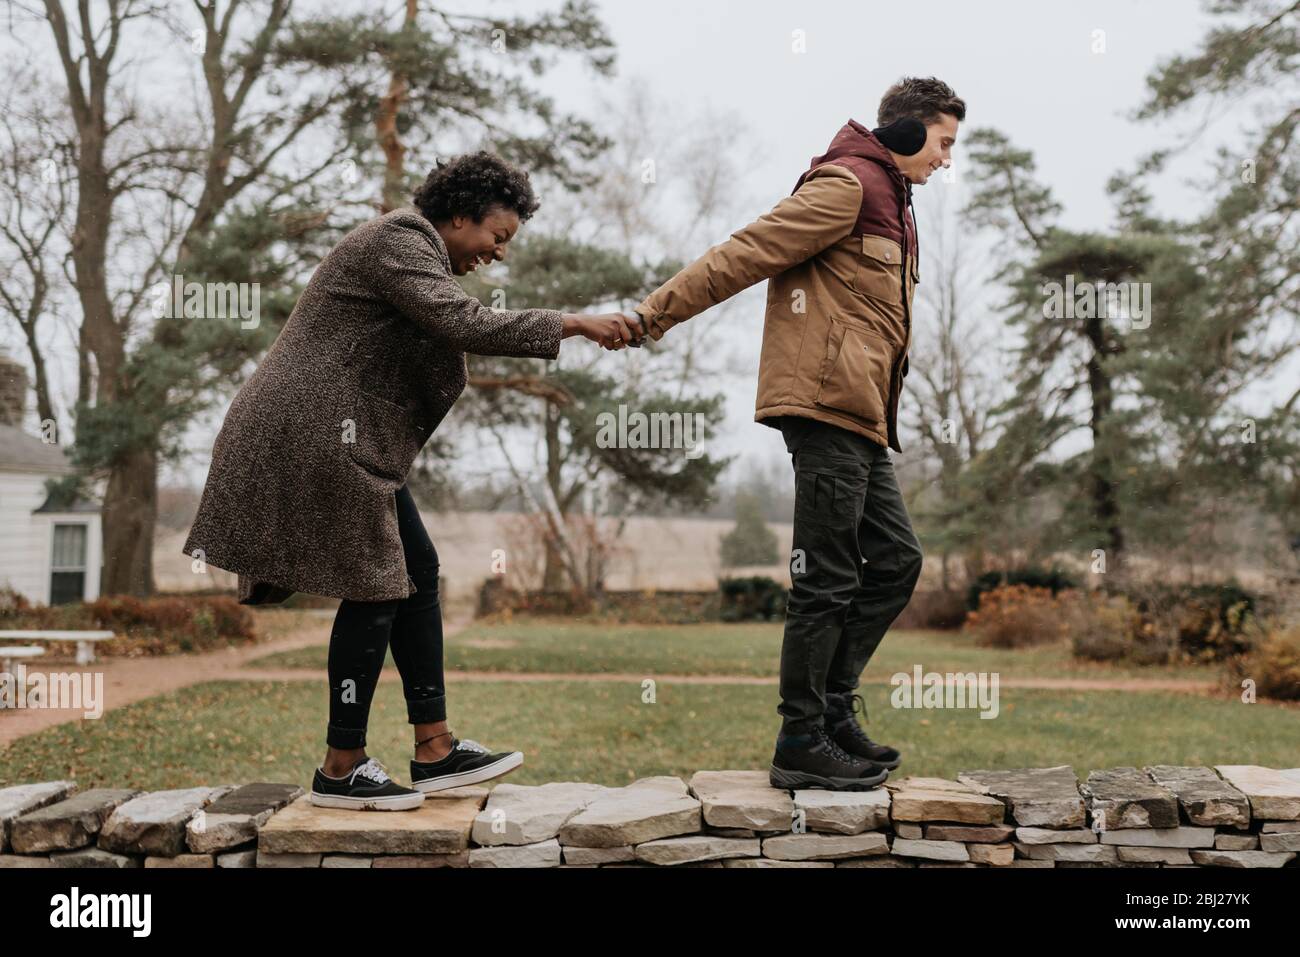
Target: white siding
x,y
27,540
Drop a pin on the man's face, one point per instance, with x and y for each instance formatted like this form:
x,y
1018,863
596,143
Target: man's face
x,y
937,151
471,244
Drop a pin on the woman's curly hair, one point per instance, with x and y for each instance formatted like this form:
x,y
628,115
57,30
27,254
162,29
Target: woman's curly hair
x,y
470,185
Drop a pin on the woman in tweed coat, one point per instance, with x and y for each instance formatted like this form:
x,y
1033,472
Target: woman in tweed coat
x,y
307,486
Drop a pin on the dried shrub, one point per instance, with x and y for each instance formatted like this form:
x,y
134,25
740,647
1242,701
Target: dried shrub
x,y
1273,663
1020,616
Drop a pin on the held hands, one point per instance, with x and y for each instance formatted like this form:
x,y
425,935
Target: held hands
x,y
613,330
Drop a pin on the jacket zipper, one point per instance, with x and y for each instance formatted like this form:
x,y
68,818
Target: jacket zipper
x,y
897,365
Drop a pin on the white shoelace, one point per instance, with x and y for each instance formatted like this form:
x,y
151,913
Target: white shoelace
x,y
468,745
374,771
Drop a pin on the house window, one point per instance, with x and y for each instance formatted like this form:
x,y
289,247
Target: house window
x,y
68,564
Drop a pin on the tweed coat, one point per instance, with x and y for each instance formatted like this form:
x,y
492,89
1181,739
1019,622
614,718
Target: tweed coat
x,y
300,492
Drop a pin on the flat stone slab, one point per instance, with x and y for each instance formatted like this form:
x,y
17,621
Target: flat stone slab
x,y
915,783
68,824
967,834
645,810
1161,837
1205,797
93,857
1049,835
1273,795
521,814
1212,858
24,860
543,854
435,827
1036,797
994,855
843,812
1127,797
459,859
1158,855
936,799
930,850
19,799
767,862
190,861
1290,841
246,858
1236,842
687,850
885,860
591,856
269,859
743,799
234,818
824,847
155,822
1086,853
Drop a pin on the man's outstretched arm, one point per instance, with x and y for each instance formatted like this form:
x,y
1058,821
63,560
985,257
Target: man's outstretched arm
x,y
822,211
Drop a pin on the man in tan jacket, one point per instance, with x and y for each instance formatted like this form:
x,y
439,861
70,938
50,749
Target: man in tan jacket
x,y
841,257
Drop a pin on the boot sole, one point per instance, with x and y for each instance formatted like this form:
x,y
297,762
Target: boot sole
x,y
796,780
494,770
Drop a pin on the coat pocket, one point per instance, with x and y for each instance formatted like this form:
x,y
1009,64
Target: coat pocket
x,y
856,372
880,270
384,439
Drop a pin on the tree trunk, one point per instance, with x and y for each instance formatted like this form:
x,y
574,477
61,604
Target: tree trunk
x,y
130,508
1104,502
554,577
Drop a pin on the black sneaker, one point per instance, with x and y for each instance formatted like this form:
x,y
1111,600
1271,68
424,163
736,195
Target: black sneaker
x,y
848,734
367,787
467,763
815,761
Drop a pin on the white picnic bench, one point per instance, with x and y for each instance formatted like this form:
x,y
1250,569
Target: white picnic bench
x,y
85,640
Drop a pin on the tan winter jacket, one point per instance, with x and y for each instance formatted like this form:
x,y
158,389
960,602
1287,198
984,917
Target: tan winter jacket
x,y
840,255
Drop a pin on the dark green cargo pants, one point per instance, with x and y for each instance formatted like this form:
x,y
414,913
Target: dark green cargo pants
x,y
854,565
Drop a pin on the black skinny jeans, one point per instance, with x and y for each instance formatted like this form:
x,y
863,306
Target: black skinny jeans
x,y
363,630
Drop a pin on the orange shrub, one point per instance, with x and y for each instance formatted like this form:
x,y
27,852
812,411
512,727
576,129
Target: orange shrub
x,y
1018,616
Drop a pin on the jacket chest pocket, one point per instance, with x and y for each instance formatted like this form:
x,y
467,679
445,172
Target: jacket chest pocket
x,y
856,373
384,440
880,270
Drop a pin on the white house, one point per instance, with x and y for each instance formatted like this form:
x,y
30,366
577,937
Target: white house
x,y
50,555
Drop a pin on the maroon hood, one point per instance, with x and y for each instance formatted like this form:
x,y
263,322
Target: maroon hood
x,y
856,147
854,139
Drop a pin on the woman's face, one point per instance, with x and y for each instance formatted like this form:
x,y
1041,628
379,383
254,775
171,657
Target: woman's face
x,y
471,244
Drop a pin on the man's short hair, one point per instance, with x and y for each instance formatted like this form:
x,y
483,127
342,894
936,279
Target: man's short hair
x,y
922,98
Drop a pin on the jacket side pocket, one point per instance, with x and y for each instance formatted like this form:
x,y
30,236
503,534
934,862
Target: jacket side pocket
x,y
384,438
856,373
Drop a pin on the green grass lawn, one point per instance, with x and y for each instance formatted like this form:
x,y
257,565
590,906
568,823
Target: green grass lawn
x,y
560,645
237,732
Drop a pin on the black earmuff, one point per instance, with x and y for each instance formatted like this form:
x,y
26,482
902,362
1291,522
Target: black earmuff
x,y
905,137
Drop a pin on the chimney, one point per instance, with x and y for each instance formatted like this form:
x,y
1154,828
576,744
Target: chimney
x,y
13,391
